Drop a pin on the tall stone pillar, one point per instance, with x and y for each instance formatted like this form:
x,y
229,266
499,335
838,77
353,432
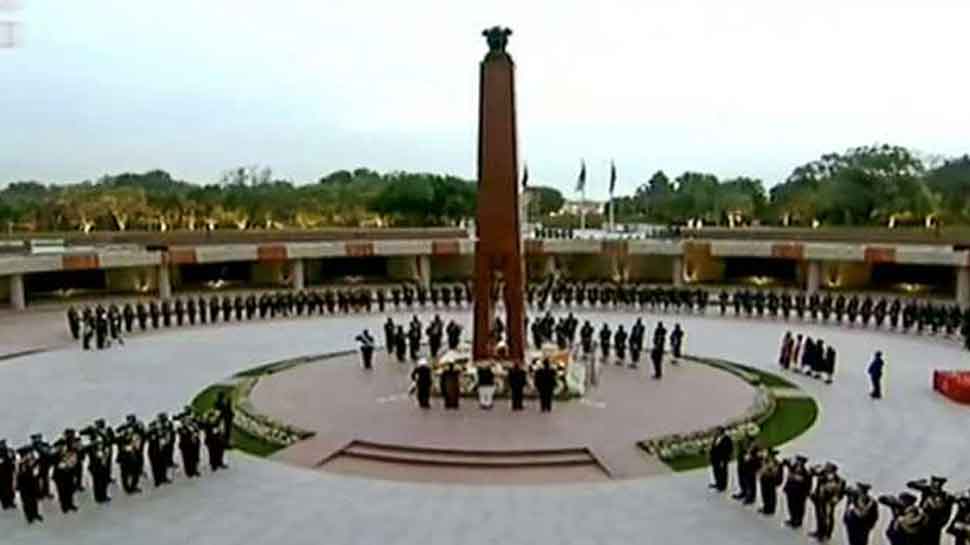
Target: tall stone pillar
x,y
678,271
499,268
963,286
298,272
164,282
422,268
18,298
814,279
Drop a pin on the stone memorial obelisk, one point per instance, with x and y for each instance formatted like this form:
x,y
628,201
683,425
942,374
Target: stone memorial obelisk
x,y
499,267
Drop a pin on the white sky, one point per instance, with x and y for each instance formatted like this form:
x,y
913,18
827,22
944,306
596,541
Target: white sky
x,y
747,87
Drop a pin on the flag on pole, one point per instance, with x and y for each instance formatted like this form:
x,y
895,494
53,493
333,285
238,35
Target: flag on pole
x,y
581,183
525,177
612,177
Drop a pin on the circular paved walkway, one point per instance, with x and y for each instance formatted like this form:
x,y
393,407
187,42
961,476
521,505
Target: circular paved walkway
x,y
912,433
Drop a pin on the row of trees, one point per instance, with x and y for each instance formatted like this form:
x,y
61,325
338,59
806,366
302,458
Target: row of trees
x,y
872,185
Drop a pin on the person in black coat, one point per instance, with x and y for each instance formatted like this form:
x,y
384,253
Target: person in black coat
x,y
451,386
8,472
545,381
721,450
875,375
28,485
400,343
517,379
422,382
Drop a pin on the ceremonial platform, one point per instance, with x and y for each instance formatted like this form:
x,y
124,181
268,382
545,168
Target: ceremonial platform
x,y
366,423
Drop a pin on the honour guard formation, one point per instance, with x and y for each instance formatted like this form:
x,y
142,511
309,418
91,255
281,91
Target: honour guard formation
x,y
39,471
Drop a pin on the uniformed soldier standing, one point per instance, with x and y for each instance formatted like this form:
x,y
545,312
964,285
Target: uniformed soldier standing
x,y
829,490
189,444
74,322
770,477
99,465
721,449
215,441
366,348
64,478
797,487
421,375
8,472
619,343
861,515
605,336
937,504
517,379
28,484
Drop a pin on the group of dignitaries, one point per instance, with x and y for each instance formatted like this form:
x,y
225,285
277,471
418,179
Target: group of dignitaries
x,y
802,354
39,468
921,520
98,326
903,314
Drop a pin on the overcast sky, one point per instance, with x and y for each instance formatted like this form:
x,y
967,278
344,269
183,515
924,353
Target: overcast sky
x,y
748,87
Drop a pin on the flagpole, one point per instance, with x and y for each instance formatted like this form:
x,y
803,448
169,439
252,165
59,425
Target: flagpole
x,y
582,210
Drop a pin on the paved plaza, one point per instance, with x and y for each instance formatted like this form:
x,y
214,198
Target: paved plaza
x,y
912,433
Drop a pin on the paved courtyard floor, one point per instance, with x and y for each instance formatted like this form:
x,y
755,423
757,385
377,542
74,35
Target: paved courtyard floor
x,y
912,433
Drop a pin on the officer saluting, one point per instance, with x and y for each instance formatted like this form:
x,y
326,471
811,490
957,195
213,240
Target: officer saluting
x,y
861,514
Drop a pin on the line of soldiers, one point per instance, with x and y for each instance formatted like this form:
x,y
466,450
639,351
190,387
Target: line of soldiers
x,y
905,314
915,520
408,344
110,322
32,469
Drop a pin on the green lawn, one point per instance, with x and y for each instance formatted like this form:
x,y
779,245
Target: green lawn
x,y
792,417
239,439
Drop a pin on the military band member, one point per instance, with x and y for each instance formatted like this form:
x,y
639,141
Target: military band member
x,y
797,487
937,504
215,440
828,492
65,477
99,466
861,514
960,527
909,521
131,453
156,453
28,484
190,444
770,477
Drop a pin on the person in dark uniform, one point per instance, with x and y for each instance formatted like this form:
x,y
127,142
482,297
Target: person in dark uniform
x,y
190,444
676,341
224,410
400,344
545,383
87,332
179,311
875,375
131,453
45,458
366,348
28,484
128,316
453,330
99,466
770,477
797,487
865,310
203,310
239,306
722,447
517,379
74,322
828,492
451,386
960,526
64,478
636,342
251,306
215,440
166,313
894,311
619,344
421,375
861,514
937,504
852,309
141,313
226,305
879,311
414,340
8,476
156,456
191,310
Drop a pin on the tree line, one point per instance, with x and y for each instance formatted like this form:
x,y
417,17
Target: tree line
x,y
869,185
